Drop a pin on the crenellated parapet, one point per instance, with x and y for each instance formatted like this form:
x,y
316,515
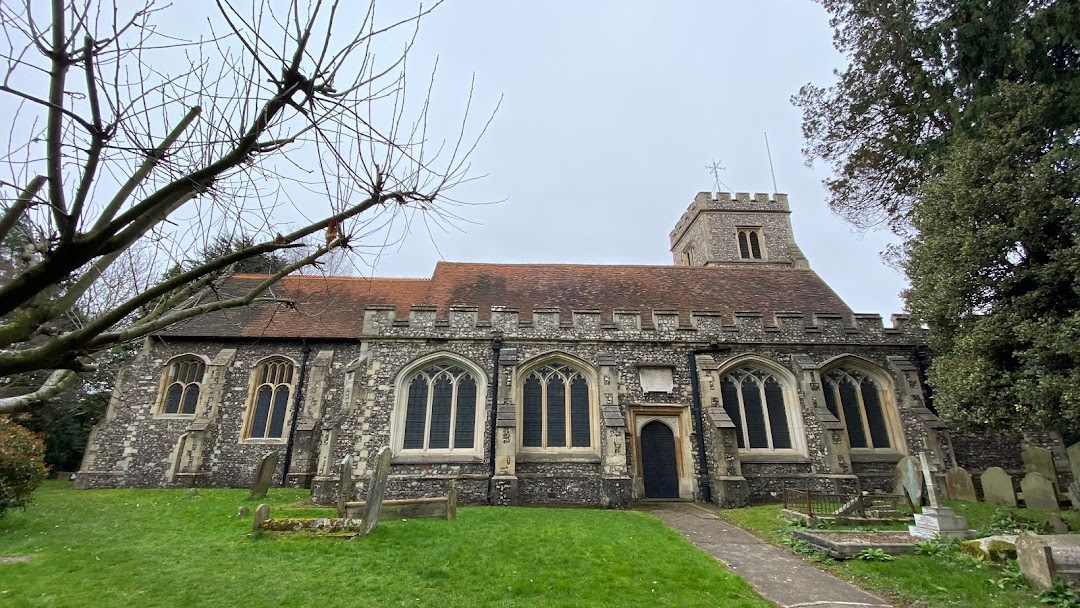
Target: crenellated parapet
x,y
726,201
470,322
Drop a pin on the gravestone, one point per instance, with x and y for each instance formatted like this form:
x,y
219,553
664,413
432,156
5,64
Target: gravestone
x,y
998,487
242,512
1074,494
959,483
1039,492
936,520
262,513
909,479
1057,524
376,491
264,476
345,484
451,500
1074,460
1044,557
1040,460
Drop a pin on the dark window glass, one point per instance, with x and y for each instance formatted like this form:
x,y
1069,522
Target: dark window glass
x,y
730,394
172,398
744,251
465,422
755,247
774,402
756,432
580,433
191,397
281,405
416,414
875,417
532,413
556,412
441,397
849,400
262,411
830,399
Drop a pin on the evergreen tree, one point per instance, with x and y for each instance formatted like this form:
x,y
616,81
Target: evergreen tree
x,y
957,123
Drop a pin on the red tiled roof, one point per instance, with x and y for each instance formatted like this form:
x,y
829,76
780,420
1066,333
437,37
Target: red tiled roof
x,y
333,307
643,288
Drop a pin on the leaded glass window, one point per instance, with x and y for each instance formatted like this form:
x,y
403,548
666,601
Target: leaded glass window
x,y
754,400
270,398
440,409
855,398
183,380
555,409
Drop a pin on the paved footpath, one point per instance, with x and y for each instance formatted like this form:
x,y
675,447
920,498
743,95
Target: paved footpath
x,y
773,572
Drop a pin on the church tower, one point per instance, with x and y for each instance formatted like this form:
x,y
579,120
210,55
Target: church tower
x,y
736,231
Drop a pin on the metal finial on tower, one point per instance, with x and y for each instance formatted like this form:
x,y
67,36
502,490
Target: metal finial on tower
x,y
715,168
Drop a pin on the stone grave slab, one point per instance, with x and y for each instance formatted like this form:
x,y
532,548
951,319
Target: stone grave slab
x,y
1040,460
376,491
998,487
262,513
958,480
1073,452
1074,494
1039,492
909,479
264,476
345,484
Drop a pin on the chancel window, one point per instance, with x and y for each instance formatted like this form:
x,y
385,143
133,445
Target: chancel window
x,y
755,401
440,409
856,400
556,412
750,243
271,390
183,381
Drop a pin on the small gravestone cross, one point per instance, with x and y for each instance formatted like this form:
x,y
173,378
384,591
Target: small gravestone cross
x,y
376,491
928,470
264,476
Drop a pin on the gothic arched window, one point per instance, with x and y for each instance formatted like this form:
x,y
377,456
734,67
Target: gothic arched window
x,y
271,390
754,399
556,408
750,244
441,403
183,381
857,400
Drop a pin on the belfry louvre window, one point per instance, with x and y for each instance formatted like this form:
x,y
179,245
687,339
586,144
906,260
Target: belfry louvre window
x,y
183,382
855,399
754,400
750,243
270,402
555,409
440,409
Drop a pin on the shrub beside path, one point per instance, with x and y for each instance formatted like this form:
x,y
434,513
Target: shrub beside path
x,y
774,573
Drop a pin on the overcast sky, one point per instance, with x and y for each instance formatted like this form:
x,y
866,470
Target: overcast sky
x,y
610,113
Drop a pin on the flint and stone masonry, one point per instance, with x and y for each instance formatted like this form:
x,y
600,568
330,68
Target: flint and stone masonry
x,y
534,384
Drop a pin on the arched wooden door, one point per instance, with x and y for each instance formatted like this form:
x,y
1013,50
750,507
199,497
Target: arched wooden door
x,y
658,468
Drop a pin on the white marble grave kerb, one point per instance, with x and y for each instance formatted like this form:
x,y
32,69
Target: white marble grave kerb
x,y
936,520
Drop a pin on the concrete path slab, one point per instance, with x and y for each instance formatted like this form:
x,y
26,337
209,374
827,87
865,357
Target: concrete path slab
x,y
773,572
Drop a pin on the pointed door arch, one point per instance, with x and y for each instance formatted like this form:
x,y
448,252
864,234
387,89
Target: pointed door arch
x,y
658,462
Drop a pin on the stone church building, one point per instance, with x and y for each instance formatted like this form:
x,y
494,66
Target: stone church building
x,y
722,377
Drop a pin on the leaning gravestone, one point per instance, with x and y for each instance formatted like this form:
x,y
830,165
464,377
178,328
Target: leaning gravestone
x,y
1074,494
376,491
264,476
908,479
1039,492
345,484
1040,460
998,487
1074,460
262,513
959,483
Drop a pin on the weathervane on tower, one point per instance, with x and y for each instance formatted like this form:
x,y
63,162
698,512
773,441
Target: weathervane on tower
x,y
715,168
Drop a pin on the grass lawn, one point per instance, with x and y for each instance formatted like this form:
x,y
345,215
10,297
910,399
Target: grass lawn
x,y
918,580
136,548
